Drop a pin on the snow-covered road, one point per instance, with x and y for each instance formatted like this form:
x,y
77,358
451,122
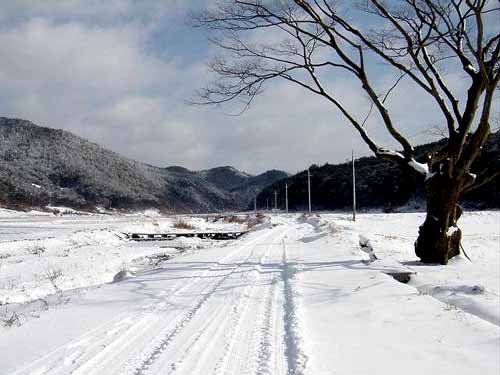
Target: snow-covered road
x,y
219,312
289,299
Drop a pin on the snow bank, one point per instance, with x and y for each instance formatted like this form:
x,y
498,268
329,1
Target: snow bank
x,y
359,320
4,212
33,269
320,227
123,275
474,299
471,287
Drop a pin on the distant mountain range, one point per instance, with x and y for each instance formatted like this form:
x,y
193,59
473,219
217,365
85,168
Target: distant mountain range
x,y
379,184
43,166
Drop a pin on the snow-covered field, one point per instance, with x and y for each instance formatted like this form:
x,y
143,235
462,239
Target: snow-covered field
x,y
297,297
42,254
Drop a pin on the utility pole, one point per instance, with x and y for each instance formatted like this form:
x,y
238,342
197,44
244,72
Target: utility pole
x,y
309,188
275,200
255,203
286,197
353,188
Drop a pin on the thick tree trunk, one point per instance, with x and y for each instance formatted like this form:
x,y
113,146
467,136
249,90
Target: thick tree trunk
x,y
439,237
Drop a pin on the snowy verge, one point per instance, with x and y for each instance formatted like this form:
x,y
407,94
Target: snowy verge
x,y
31,270
473,299
473,287
360,320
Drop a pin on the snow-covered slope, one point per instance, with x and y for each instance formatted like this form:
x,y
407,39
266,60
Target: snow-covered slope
x,y
242,186
40,166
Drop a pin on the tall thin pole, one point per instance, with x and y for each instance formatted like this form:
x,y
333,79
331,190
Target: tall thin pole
x,y
309,188
255,203
275,200
267,204
286,197
353,188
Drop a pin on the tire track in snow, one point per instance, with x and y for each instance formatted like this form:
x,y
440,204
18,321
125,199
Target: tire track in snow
x,y
200,345
153,356
171,333
296,357
125,346
223,324
89,358
210,329
236,319
264,350
269,350
239,316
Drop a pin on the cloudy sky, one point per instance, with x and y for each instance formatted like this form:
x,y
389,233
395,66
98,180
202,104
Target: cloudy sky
x,y
119,72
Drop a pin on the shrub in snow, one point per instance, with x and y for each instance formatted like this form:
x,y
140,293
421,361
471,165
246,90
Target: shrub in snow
x,y
14,320
36,250
182,224
122,275
366,246
52,274
259,221
311,219
236,219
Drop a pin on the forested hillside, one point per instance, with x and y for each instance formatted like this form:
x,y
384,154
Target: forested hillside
x,y
43,166
379,184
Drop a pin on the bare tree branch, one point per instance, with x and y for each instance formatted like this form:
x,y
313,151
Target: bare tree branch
x,y
310,40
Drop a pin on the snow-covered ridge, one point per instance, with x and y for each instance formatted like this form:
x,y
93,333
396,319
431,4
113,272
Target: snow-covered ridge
x,y
41,166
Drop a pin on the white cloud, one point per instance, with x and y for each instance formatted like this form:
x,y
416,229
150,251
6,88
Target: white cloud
x,y
66,66
95,10
59,73
43,55
100,83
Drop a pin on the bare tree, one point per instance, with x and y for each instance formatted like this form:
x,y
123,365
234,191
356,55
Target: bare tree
x,y
306,42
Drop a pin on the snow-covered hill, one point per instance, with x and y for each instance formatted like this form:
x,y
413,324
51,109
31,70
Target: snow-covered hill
x,y
41,166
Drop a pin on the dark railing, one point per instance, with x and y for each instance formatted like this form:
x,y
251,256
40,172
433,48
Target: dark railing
x,y
171,236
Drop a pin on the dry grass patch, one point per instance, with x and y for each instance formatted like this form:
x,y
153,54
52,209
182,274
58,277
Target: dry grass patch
x,y
183,224
259,218
235,219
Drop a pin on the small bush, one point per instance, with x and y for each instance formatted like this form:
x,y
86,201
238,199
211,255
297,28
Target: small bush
x,y
65,253
36,250
234,219
14,320
122,275
259,218
260,215
52,274
182,224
